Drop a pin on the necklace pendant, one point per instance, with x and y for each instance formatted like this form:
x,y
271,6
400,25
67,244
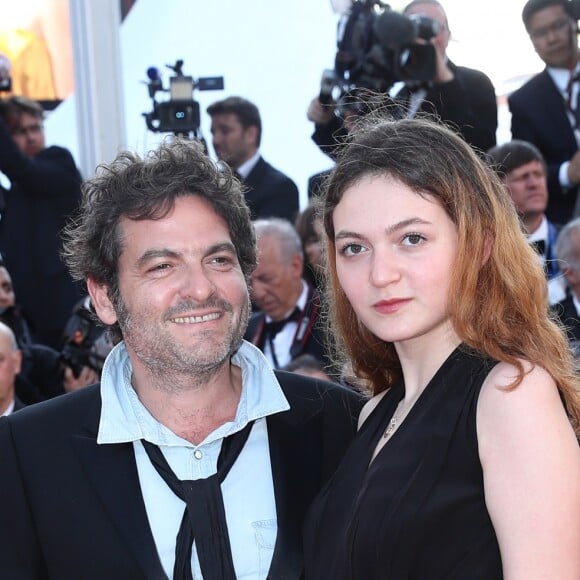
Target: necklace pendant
x,y
390,427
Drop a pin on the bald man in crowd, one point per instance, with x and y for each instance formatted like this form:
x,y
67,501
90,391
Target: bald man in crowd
x,y
10,359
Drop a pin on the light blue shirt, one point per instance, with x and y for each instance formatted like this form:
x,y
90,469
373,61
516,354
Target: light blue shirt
x,y
248,490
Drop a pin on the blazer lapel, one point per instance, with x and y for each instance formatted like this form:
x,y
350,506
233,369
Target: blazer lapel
x,y
296,459
113,472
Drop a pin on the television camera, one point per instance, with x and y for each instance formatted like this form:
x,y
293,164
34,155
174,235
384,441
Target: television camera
x,y
376,47
180,114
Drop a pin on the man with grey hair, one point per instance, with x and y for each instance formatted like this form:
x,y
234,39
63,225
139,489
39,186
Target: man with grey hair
x,y
288,321
568,309
10,359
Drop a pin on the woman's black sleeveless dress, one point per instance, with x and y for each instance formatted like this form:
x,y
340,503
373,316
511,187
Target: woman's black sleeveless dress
x,y
418,512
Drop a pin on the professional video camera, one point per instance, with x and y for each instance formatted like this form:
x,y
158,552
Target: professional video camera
x,y
376,47
180,114
86,343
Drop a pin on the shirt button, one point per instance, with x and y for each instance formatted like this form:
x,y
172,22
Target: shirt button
x,y
197,454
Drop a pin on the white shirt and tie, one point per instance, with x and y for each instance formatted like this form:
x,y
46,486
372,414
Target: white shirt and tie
x,y
248,490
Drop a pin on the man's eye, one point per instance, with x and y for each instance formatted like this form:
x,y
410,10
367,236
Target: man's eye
x,y
160,267
222,260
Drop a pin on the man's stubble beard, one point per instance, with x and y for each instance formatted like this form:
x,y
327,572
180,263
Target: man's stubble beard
x,y
171,364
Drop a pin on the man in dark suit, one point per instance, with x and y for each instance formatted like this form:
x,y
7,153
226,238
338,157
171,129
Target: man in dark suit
x,y
236,129
288,318
460,97
44,193
543,110
191,458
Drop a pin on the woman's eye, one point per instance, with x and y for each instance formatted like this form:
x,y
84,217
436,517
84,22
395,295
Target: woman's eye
x,y
352,249
413,239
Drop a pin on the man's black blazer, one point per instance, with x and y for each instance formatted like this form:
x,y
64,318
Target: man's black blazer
x,y
539,116
73,509
271,193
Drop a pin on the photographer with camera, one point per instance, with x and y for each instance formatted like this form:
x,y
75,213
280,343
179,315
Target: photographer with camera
x,y
44,372
44,191
460,97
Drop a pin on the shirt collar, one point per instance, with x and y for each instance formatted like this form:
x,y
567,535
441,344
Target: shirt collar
x,y
561,77
9,409
125,419
541,232
246,167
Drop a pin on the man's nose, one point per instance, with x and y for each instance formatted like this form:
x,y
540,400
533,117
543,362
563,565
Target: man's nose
x,y
197,284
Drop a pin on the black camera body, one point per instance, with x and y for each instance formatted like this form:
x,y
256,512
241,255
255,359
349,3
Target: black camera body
x,y
180,114
378,47
86,343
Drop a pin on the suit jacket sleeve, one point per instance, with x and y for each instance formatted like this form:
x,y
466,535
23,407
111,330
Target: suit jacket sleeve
x,y
329,137
51,173
525,125
468,104
18,542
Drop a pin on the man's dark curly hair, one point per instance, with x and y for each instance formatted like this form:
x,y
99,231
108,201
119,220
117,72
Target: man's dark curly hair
x,y
146,189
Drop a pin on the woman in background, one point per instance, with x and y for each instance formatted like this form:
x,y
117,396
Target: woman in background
x,y
309,228
466,464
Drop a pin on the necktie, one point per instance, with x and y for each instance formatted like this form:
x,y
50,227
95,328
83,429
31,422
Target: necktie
x,y
273,327
204,518
571,105
539,246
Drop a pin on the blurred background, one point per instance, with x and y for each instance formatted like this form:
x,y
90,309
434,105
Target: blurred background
x,y
95,62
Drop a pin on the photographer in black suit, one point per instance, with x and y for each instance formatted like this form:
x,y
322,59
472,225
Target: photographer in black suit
x,y
44,193
461,97
236,129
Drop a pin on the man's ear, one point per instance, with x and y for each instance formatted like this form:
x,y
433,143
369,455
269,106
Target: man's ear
x,y
297,265
17,359
251,133
102,304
